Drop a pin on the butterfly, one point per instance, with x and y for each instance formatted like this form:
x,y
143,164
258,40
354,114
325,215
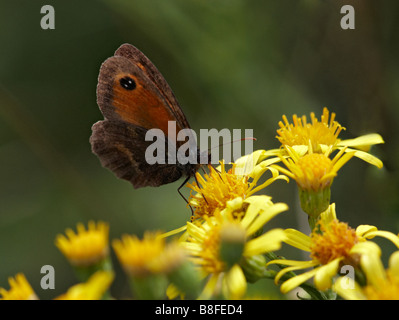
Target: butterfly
x,y
134,97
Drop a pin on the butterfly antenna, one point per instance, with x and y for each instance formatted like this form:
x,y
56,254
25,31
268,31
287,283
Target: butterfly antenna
x,y
214,168
217,171
231,142
203,170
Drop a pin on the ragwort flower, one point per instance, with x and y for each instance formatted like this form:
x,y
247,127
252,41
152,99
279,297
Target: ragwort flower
x,y
314,173
85,247
151,262
322,135
219,245
381,284
94,288
137,256
214,190
20,289
330,246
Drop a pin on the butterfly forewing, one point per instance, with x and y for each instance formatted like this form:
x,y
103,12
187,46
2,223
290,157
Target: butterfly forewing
x,y
139,59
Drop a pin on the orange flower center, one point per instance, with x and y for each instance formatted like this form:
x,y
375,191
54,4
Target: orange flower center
x,y
335,241
215,190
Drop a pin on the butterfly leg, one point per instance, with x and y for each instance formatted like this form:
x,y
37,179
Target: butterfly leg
x,y
178,190
217,171
195,177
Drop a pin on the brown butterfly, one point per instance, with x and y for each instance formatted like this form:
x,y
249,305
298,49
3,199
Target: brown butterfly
x,y
134,97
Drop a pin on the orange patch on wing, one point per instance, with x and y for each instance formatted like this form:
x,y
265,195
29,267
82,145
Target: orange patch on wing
x,y
141,106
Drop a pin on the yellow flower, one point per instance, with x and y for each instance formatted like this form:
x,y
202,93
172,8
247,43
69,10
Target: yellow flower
x,y
148,256
334,244
381,284
92,289
314,174
215,189
137,256
322,135
85,247
151,262
313,171
218,245
324,132
20,289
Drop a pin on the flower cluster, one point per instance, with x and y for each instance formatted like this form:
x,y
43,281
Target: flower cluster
x,y
228,244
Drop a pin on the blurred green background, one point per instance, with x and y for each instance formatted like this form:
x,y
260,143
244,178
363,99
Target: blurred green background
x,y
231,63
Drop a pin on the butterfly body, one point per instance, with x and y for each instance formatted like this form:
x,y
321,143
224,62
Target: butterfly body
x,y
134,97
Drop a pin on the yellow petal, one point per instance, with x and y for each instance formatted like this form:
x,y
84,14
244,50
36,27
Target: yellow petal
x,y
265,215
297,281
195,232
325,149
293,265
347,292
246,164
394,263
325,273
172,292
363,142
93,289
173,232
385,234
234,283
258,172
366,157
363,229
256,205
235,204
297,239
329,215
301,264
338,164
267,242
301,150
284,171
366,247
211,287
373,268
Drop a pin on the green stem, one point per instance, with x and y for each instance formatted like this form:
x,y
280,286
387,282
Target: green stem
x,y
149,287
312,222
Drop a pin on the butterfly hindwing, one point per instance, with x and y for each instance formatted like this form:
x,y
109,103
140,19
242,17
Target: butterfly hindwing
x,y
121,148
